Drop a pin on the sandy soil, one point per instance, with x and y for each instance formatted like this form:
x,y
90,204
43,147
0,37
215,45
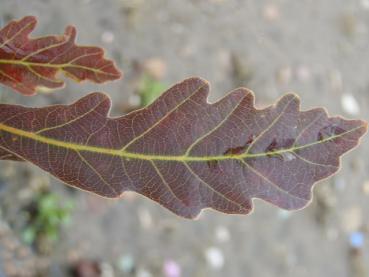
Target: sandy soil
x,y
319,51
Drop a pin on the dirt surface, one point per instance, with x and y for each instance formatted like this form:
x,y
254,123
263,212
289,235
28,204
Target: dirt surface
x,y
318,49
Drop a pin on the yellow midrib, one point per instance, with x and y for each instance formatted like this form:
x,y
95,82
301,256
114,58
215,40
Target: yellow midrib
x,y
57,66
152,157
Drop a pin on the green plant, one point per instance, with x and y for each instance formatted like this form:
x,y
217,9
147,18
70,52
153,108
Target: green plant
x,y
46,215
149,90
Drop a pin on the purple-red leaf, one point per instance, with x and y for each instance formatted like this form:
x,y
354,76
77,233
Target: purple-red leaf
x,y
30,64
183,152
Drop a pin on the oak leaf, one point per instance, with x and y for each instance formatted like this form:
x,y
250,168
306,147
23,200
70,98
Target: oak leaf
x,y
28,65
183,152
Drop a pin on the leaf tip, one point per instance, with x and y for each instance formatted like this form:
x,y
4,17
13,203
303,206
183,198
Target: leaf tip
x,y
70,33
28,19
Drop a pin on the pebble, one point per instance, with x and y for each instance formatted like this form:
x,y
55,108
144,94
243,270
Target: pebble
x,y
283,214
214,257
134,100
349,104
356,240
143,273
145,218
126,264
156,68
171,269
107,37
284,75
366,187
106,270
271,12
303,73
222,234
365,4
130,195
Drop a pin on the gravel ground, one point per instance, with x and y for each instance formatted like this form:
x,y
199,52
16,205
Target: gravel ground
x,y
319,51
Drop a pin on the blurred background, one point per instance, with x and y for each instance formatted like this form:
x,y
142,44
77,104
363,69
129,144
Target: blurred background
x,y
318,49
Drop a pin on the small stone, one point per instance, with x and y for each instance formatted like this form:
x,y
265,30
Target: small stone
x,y
356,240
107,37
134,100
155,67
222,234
283,214
349,104
126,264
214,257
129,196
143,273
106,270
365,4
366,187
303,73
171,269
145,218
271,12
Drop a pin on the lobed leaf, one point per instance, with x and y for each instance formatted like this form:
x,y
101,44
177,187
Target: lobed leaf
x,y
28,65
183,152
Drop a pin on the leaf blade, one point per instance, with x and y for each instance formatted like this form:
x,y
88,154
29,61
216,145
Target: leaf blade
x,y
183,152
28,65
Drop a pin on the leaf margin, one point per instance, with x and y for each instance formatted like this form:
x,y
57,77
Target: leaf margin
x,y
295,96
